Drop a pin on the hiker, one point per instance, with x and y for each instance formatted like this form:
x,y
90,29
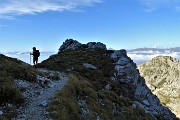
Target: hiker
x,y
35,54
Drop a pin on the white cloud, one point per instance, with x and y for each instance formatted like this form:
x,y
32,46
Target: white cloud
x,y
11,8
152,5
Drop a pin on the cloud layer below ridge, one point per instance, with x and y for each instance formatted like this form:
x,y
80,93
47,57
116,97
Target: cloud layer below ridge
x,y
139,57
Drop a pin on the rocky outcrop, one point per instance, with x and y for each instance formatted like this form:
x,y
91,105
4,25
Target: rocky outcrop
x,y
74,44
162,75
69,44
89,66
126,69
127,73
94,45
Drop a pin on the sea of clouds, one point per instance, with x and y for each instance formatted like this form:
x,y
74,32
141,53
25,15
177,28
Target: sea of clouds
x,y
139,57
26,57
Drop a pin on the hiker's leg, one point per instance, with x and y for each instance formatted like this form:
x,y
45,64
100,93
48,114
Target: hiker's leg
x,y
34,60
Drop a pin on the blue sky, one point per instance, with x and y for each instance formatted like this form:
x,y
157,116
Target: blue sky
x,y
120,24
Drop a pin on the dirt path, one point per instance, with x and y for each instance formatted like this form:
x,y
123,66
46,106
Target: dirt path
x,y
38,95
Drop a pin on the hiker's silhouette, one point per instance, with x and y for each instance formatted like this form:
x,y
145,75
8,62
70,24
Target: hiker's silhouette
x,y
35,54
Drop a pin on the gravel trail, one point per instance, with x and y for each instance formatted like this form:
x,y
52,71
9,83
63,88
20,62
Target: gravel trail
x,y
38,94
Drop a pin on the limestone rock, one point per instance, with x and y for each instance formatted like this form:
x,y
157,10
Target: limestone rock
x,y
44,103
162,75
127,73
119,53
74,44
1,113
108,87
93,45
69,44
89,66
125,69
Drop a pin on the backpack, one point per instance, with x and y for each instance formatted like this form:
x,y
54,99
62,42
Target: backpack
x,y
37,53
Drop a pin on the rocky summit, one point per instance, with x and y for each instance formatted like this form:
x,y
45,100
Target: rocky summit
x,y
162,75
74,44
81,82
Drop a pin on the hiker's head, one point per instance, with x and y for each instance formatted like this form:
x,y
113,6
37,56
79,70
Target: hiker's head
x,y
34,48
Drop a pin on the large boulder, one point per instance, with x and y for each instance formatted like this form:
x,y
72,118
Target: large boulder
x,y
89,66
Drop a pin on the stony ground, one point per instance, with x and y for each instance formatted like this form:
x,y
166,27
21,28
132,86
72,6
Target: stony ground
x,y
162,75
38,94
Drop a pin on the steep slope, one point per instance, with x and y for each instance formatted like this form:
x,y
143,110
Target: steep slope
x,y
104,84
26,91
162,75
10,97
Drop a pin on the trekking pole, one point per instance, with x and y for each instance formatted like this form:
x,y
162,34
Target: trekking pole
x,y
30,58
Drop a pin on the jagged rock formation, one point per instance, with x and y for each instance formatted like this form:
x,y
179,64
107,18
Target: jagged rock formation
x,y
127,73
94,45
126,69
114,80
162,75
74,44
69,44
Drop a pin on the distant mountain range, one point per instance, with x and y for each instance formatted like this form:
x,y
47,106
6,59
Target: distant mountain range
x,y
141,55
155,50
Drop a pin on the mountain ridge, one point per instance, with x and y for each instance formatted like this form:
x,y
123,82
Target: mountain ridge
x,y
103,84
114,71
173,49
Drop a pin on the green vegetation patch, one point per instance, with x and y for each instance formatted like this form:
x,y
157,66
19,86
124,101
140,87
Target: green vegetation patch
x,y
17,69
72,60
10,70
79,100
65,104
